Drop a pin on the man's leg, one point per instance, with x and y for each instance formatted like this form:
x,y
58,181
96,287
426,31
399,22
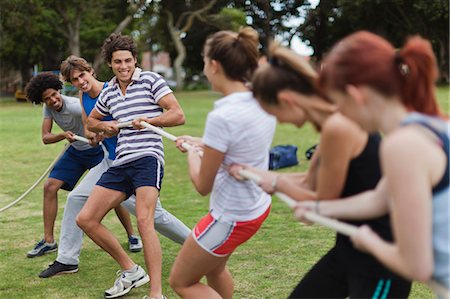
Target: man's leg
x,y
50,207
165,223
71,236
146,198
100,202
49,212
134,242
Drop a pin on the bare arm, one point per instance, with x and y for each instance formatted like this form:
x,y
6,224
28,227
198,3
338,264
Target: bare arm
x,y
203,170
173,115
340,141
48,137
292,184
95,124
367,205
409,182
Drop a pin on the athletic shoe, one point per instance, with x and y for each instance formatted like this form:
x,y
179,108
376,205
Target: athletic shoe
x,y
134,243
58,268
41,248
126,281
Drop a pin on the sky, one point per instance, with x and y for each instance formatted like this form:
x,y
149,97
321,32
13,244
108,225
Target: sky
x,y
297,45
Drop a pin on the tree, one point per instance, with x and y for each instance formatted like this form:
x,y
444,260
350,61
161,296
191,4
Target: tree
x,y
101,16
170,22
188,23
395,20
271,18
44,32
27,37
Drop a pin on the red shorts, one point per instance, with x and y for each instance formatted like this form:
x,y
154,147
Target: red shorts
x,y
220,238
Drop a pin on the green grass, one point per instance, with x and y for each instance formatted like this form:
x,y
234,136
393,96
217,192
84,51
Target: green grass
x,y
268,266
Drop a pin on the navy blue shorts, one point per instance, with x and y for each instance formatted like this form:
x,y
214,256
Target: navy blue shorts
x,y
73,164
126,178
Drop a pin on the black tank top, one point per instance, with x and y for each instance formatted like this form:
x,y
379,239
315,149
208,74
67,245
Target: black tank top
x,y
364,174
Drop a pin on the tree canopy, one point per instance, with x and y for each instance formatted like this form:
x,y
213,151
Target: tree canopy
x,y
44,32
395,20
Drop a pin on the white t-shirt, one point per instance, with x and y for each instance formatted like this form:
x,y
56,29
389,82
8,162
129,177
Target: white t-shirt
x,y
239,128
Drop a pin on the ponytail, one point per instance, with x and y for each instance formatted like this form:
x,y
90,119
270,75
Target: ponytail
x,y
364,58
417,67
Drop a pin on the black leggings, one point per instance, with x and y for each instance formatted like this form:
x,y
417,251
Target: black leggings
x,y
330,278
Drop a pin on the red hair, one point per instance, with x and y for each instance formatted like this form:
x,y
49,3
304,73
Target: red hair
x,y
364,58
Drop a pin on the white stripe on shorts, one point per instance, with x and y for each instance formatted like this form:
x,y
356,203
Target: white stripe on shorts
x,y
214,236
158,175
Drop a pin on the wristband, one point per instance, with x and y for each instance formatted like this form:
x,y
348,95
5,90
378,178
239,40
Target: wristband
x,y
317,207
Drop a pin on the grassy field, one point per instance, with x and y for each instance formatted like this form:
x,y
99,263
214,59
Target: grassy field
x,y
268,266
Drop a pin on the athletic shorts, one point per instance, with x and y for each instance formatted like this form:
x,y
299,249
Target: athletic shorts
x,y
126,178
73,164
220,238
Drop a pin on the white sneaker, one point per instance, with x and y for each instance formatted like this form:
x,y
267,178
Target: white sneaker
x,y
126,281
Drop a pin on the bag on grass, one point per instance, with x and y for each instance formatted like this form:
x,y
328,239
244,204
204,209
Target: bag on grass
x,y
283,156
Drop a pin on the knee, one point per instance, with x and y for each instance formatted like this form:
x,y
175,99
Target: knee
x,y
144,222
50,187
175,283
84,222
73,197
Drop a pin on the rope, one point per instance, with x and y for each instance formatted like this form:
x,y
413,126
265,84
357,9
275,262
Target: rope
x,y
49,168
338,226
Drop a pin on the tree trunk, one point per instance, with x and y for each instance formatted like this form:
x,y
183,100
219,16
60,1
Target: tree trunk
x,y
74,42
181,52
25,74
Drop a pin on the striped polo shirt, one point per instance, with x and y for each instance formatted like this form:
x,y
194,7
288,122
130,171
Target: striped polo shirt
x,y
140,100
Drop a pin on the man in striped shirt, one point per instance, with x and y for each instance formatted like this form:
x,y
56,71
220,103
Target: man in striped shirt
x,y
132,95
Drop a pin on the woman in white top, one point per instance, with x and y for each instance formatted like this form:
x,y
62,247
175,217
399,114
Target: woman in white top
x,y
236,131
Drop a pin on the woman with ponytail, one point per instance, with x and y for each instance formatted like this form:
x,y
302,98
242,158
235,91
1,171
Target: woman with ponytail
x,y
237,209
392,91
346,163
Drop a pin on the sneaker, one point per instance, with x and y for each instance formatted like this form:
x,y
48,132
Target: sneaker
x,y
58,268
41,248
126,281
134,243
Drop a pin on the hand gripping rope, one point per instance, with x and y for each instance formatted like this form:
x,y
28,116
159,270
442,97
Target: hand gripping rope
x,y
50,167
338,226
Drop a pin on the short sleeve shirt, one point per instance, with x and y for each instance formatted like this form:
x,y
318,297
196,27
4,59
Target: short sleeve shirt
x,y
69,119
239,128
141,100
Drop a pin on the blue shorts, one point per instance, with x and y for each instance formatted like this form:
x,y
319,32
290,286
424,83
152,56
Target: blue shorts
x,y
126,178
73,164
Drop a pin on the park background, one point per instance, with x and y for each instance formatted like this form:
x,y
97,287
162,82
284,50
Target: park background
x,y
36,35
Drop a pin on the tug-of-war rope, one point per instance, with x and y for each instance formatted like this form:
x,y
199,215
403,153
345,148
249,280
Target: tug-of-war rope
x,y
50,167
333,224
